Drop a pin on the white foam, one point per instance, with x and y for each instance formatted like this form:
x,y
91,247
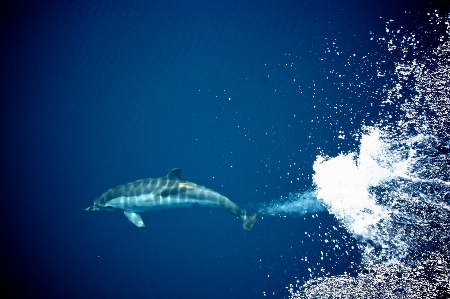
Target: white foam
x,y
343,185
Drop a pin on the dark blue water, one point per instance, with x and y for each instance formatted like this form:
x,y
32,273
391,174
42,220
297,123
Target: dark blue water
x,y
238,95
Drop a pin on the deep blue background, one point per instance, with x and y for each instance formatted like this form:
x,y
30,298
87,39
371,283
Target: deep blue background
x,y
236,93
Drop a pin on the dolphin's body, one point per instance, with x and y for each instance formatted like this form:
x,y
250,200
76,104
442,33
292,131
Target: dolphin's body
x,y
170,191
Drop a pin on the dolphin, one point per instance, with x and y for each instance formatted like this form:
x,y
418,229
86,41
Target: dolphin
x,y
170,191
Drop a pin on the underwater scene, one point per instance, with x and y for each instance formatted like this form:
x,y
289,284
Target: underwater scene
x,y
225,149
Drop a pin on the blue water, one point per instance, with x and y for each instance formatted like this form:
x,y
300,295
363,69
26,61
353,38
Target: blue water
x,y
235,93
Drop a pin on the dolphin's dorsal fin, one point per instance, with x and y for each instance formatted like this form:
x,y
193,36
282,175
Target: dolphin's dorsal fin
x,y
174,174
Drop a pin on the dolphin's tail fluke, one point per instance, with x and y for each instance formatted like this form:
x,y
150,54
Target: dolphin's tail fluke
x,y
249,221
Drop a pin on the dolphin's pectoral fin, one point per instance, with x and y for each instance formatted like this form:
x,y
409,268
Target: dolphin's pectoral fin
x,y
134,218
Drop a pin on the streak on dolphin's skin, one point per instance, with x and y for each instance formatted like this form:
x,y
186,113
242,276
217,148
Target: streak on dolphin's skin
x,y
170,191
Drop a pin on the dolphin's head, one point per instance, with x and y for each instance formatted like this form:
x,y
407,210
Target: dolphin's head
x,y
92,208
